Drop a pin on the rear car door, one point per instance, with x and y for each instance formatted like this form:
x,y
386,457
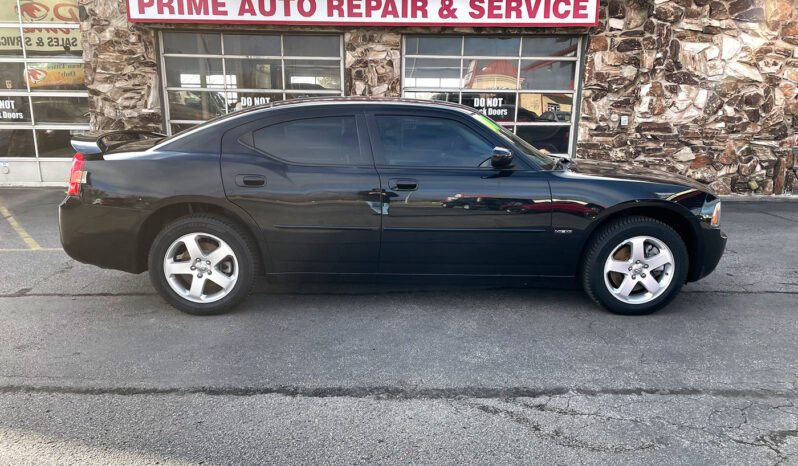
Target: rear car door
x,y
446,209
308,179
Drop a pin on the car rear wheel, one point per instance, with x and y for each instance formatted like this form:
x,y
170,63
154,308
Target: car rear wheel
x,y
635,266
203,264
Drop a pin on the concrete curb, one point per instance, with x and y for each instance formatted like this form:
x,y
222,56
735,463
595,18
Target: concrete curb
x,y
759,198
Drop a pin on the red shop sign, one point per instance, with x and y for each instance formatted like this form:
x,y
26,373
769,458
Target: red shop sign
x,y
370,12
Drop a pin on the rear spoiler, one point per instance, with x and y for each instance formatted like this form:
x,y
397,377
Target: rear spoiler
x,y
98,145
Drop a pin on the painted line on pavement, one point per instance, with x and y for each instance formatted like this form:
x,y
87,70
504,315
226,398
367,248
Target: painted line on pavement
x,y
28,239
29,250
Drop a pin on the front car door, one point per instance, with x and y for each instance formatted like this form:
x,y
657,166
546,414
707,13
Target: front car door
x,y
446,209
307,177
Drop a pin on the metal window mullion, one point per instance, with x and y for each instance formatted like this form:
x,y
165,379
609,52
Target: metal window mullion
x,y
38,25
167,118
574,106
518,85
27,87
460,83
341,62
55,59
282,64
224,73
404,66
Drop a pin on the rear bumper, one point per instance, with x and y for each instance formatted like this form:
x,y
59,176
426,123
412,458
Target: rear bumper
x,y
100,235
708,256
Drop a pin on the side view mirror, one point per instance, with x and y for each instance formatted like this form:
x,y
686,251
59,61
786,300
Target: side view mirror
x,y
501,157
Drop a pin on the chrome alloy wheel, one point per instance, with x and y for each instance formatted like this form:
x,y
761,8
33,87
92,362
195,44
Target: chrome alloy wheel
x,y
639,270
200,267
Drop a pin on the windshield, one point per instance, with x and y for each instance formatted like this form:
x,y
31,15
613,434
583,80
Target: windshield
x,y
544,161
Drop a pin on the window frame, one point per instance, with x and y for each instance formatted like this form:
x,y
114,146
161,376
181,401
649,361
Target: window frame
x,y
519,163
577,59
27,94
362,141
225,89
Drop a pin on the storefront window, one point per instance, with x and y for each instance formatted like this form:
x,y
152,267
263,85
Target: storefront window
x,y
526,84
43,96
211,74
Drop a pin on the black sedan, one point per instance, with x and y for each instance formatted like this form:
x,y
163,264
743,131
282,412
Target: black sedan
x,y
381,187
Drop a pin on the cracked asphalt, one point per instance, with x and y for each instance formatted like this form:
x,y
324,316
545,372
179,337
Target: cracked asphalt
x,y
95,368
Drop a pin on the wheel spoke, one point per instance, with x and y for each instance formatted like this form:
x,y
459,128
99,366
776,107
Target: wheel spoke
x,y
651,283
192,246
220,253
618,266
178,268
197,286
658,261
638,246
626,286
221,279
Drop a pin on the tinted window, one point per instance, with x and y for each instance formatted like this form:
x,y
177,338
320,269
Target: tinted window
x,y
430,142
316,141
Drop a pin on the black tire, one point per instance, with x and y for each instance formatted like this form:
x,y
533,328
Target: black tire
x,y
235,236
602,244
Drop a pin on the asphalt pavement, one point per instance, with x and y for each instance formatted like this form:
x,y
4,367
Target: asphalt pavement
x,y
96,368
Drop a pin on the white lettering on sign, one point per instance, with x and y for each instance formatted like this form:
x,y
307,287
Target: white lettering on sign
x,y
371,12
10,105
253,101
492,107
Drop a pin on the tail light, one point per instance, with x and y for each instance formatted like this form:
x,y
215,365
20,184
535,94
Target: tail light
x,y
76,174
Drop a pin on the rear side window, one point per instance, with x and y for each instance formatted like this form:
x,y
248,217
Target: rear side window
x,y
312,141
430,142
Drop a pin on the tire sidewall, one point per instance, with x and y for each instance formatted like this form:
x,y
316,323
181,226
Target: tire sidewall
x,y
643,228
170,233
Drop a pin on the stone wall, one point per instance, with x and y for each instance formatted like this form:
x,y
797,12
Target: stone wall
x,y
121,72
708,86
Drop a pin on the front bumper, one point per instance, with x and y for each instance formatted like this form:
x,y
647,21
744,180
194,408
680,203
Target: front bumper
x,y
709,252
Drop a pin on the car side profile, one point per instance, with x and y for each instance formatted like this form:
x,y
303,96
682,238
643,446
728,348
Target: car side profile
x,y
382,187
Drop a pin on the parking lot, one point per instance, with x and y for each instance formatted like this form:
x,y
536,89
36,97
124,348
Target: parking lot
x,y
94,367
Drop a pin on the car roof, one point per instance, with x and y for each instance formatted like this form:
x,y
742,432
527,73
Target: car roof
x,y
336,100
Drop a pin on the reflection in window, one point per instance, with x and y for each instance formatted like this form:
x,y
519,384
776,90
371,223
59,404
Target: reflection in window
x,y
312,74
432,72
195,105
250,72
51,94
16,143
521,82
55,142
430,142
316,141
52,109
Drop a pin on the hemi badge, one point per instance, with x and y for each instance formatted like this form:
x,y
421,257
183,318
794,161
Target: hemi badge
x,y
563,232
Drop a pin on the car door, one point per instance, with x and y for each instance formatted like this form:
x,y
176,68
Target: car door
x,y
308,179
446,210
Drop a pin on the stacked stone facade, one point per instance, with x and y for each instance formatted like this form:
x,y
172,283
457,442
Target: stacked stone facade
x,y
707,87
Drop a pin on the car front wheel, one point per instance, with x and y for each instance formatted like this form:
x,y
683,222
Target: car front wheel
x,y
203,264
635,265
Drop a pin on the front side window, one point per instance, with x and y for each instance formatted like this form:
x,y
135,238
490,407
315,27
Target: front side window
x,y
526,84
210,74
312,141
415,141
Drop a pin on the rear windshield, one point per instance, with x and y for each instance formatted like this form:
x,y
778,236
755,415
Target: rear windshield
x,y
542,160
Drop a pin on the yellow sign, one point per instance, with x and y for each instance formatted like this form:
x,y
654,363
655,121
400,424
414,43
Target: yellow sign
x,y
45,75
